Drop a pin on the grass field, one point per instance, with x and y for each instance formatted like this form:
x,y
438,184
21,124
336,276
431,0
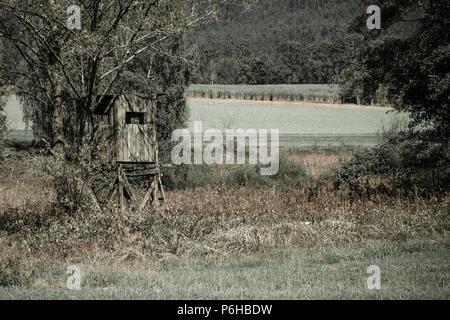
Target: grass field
x,y
409,270
237,238
295,92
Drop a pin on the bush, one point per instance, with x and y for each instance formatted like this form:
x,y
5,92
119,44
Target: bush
x,y
11,274
292,173
404,162
49,229
173,177
246,175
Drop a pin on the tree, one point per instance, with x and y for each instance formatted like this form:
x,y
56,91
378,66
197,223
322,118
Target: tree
x,y
356,81
59,68
3,126
298,41
410,59
410,56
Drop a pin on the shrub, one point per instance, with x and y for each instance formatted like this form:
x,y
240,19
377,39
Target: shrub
x,y
404,162
49,229
246,175
173,177
292,173
11,274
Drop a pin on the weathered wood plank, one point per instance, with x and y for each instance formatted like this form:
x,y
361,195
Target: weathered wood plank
x,y
155,192
162,188
143,173
147,196
130,190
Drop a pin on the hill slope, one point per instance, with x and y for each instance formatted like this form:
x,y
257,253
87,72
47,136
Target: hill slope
x,y
279,41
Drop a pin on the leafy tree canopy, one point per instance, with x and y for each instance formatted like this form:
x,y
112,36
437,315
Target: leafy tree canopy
x,y
410,56
127,46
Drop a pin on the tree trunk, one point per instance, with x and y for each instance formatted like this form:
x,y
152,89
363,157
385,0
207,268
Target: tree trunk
x,y
58,126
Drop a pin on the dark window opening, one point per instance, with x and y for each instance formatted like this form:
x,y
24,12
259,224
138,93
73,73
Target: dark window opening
x,y
135,118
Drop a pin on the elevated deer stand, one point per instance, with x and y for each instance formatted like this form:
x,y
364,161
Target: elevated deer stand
x,y
125,129
126,193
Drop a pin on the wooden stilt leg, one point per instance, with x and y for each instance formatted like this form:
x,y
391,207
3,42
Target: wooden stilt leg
x,y
123,189
162,188
147,197
155,192
130,190
112,192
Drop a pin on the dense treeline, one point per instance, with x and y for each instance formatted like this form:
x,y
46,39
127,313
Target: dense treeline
x,y
408,59
278,41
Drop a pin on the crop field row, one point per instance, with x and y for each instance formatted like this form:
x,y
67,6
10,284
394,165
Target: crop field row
x,y
283,92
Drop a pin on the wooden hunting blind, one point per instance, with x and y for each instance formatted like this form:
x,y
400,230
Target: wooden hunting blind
x,y
127,126
125,131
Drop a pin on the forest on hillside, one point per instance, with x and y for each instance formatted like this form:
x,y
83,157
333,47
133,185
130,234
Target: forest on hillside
x,y
277,41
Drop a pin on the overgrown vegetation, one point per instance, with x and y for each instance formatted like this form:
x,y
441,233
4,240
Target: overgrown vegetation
x,y
213,210
405,161
290,174
225,221
408,59
214,216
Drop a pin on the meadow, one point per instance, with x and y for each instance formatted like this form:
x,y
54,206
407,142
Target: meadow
x,y
227,233
409,270
283,92
300,126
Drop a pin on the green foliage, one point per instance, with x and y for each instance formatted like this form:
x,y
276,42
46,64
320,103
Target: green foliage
x,y
409,58
246,176
290,174
354,81
278,41
12,274
169,77
404,162
72,176
406,63
62,234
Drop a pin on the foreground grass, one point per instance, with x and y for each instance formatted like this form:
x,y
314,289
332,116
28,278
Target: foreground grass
x,y
409,270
